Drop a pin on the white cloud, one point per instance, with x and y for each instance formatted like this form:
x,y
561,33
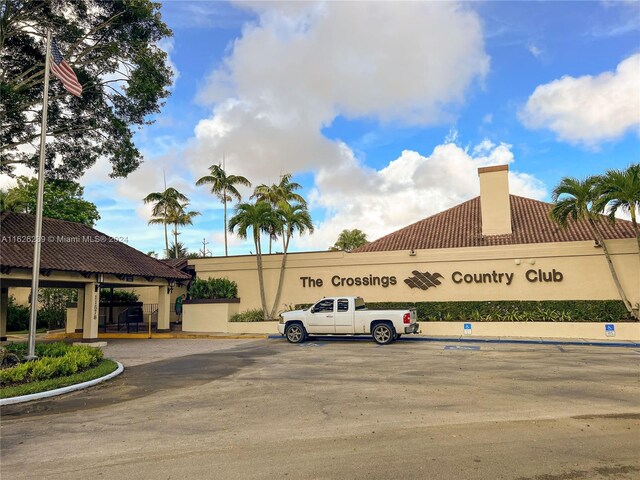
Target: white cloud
x,y
302,64
408,189
588,110
534,50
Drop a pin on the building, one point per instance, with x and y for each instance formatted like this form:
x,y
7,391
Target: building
x,y
77,256
493,247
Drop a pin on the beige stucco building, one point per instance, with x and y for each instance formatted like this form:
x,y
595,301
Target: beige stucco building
x,y
494,247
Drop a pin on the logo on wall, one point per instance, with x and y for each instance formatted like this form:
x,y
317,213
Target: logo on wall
x,y
423,280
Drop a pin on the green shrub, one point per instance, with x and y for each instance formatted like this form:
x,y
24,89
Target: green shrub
x,y
17,316
254,315
213,288
55,360
119,296
515,311
511,311
15,374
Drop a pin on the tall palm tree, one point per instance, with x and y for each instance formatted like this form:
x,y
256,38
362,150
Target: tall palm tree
x,y
620,189
575,199
293,218
256,217
350,239
279,195
164,203
179,217
223,186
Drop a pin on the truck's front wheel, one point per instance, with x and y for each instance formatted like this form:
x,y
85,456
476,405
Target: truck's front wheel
x,y
383,333
295,333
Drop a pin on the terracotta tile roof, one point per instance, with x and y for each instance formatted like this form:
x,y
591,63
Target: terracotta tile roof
x,y
461,226
79,255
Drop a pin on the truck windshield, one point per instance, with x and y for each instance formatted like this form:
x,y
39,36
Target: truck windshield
x,y
359,302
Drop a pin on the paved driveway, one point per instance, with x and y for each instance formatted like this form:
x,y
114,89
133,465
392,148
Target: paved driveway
x,y
339,409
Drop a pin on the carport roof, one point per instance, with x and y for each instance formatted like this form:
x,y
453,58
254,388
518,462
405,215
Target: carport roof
x,y
74,247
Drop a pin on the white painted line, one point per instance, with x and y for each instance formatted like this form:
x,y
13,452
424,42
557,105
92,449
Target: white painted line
x,y
63,390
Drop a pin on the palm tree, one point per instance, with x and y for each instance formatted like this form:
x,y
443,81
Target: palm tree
x,y
293,218
279,195
180,218
163,204
257,217
620,189
223,187
350,239
177,250
575,199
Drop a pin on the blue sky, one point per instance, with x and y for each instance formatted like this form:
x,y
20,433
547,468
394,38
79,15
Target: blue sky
x,y
383,111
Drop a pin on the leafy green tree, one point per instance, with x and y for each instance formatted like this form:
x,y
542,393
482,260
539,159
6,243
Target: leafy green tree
x,y
164,204
223,186
620,190
62,200
113,49
293,218
576,200
350,239
257,218
278,195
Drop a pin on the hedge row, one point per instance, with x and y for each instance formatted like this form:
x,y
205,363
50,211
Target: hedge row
x,y
254,315
512,311
213,288
55,360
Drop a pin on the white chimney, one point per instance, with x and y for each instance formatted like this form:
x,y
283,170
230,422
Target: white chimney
x,y
494,200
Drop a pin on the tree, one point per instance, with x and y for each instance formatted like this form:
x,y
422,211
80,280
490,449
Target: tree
x,y
574,199
256,217
279,195
179,217
350,239
292,218
620,189
177,250
223,186
62,200
113,49
164,204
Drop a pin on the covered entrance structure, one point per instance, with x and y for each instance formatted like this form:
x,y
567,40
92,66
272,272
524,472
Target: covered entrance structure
x,y
79,257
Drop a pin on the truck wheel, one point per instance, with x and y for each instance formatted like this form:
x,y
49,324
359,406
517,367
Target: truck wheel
x,y
383,334
295,333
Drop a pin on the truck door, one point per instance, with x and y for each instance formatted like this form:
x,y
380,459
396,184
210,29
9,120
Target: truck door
x,y
343,316
321,318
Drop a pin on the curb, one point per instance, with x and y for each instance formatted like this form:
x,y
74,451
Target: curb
x,y
585,343
63,390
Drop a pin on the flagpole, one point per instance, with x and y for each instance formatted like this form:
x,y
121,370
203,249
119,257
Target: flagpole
x,y
38,233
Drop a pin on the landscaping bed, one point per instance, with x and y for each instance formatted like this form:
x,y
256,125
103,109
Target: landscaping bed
x,y
58,365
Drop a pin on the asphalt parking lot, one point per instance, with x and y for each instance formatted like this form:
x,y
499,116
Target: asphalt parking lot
x,y
253,409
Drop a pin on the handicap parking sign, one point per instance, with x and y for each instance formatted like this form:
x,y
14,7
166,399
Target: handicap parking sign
x,y
610,330
467,329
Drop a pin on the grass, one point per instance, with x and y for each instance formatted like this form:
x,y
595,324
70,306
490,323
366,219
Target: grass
x,y
105,367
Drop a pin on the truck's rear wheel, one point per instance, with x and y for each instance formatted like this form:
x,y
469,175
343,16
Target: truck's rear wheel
x,y
383,334
295,333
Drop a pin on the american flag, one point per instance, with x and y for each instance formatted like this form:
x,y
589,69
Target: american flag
x,y
63,71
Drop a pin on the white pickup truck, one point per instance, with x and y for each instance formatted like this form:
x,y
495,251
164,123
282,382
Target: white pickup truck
x,y
347,316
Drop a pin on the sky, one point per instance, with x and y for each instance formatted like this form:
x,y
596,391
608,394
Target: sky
x,y
382,111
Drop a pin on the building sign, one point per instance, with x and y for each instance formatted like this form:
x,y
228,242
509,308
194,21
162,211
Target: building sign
x,y
426,280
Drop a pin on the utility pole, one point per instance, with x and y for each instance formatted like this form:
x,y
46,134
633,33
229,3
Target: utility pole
x,y
204,251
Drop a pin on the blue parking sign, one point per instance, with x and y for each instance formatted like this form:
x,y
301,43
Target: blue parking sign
x,y
610,330
467,329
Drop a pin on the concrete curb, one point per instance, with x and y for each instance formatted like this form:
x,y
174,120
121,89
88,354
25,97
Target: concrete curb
x,y
586,343
63,390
